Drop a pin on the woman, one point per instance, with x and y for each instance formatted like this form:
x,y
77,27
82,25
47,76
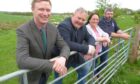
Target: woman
x,y
102,38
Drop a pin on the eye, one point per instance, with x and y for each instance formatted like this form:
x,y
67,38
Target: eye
x,y
41,9
83,20
79,18
48,10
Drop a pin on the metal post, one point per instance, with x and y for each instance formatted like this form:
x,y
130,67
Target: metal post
x,y
25,80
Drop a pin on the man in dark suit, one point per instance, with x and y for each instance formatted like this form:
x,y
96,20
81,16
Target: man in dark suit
x,y
35,41
74,32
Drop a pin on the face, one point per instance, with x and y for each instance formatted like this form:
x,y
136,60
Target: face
x,y
108,15
94,20
41,12
78,19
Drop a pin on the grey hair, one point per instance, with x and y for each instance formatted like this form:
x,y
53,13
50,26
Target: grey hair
x,y
81,10
108,10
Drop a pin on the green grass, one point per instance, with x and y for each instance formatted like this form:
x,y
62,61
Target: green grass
x,y
8,21
126,21
7,53
128,74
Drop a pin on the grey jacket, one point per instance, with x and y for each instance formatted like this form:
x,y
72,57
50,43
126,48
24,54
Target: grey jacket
x,y
30,54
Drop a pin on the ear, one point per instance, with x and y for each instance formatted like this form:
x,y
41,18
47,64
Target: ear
x,y
32,8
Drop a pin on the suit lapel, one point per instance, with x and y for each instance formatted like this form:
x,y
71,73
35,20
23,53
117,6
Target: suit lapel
x,y
37,36
49,36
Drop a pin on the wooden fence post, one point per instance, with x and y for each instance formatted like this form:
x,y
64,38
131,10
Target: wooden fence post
x,y
135,46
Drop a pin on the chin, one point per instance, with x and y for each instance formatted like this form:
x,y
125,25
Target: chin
x,y
45,21
78,26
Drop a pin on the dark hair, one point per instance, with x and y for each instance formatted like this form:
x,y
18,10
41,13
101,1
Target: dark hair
x,y
90,16
34,1
108,10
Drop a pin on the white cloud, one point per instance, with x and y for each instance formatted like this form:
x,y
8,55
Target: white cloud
x,y
71,5
131,4
15,5
63,5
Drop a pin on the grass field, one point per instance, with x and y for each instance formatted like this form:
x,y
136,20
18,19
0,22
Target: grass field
x,y
128,74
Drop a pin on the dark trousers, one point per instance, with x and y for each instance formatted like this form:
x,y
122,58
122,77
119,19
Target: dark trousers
x,y
101,60
43,79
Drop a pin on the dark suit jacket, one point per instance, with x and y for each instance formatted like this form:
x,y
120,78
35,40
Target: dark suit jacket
x,y
30,54
75,37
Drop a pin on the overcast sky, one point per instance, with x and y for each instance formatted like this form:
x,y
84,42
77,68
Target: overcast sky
x,y
60,6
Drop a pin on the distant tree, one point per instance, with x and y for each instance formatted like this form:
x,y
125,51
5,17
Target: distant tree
x,y
103,4
127,11
20,13
137,16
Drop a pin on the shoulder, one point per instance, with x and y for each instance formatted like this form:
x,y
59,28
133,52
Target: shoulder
x,y
88,27
66,23
51,28
84,27
113,20
102,18
67,20
50,25
25,27
101,21
100,29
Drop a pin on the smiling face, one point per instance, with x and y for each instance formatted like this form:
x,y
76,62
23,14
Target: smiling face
x,y
94,20
78,19
41,12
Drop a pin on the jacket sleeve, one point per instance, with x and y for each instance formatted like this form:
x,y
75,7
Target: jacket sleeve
x,y
24,60
101,23
115,25
88,38
62,45
74,46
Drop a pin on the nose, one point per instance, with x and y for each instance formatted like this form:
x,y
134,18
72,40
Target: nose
x,y
81,21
